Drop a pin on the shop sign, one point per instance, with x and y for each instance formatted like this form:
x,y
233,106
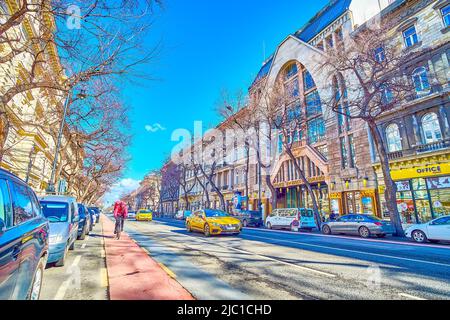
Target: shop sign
x,y
421,172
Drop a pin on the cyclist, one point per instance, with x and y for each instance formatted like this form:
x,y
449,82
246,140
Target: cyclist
x,y
120,214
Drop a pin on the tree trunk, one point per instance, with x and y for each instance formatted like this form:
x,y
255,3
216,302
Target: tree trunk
x,y
391,188
247,169
317,216
273,191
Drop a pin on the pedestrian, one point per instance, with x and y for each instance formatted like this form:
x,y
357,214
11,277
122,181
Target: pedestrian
x,y
120,214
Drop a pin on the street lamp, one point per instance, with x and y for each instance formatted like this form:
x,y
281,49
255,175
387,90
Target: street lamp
x,y
51,184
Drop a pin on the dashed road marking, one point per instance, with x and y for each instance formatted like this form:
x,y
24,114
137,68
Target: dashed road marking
x,y
65,285
411,297
353,251
83,246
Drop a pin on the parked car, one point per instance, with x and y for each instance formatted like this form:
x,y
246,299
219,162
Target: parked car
x,y
144,215
291,219
358,224
433,231
183,214
97,211
250,218
23,240
62,213
213,222
93,217
85,223
131,215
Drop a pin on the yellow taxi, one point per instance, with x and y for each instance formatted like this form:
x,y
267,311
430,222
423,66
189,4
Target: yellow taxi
x,y
144,215
213,222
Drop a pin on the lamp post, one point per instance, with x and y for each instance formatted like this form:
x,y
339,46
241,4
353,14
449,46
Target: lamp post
x,y
51,184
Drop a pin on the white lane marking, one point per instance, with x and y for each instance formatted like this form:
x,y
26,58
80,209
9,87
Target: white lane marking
x,y
266,258
87,238
353,251
408,296
83,246
65,285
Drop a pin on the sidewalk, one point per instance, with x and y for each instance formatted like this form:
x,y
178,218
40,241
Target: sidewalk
x,y
132,274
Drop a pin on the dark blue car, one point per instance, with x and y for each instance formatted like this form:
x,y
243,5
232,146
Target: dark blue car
x,y
85,223
23,240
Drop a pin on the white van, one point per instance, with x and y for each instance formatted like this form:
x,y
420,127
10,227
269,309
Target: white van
x,y
291,219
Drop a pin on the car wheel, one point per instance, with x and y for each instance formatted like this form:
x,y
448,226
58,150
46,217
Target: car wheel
x,y
419,236
82,235
269,225
36,285
245,223
207,231
326,230
364,232
72,246
188,227
61,262
293,228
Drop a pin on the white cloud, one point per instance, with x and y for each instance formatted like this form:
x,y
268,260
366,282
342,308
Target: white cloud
x,y
120,189
154,128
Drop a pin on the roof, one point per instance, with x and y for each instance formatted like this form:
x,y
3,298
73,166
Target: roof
x,y
57,198
333,10
264,71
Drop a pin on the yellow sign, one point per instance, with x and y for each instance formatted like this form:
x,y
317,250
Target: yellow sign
x,y
421,172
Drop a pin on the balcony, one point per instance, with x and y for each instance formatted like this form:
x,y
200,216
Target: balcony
x,y
421,149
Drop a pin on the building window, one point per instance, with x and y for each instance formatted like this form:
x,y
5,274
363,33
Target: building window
x,y
308,81
291,71
316,130
394,141
410,36
352,151
292,88
329,41
280,143
431,128
420,80
380,55
313,104
446,15
386,95
344,156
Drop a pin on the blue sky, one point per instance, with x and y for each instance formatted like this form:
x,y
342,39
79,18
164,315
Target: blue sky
x,y
207,46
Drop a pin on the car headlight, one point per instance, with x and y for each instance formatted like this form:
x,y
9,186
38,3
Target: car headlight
x,y
215,224
55,239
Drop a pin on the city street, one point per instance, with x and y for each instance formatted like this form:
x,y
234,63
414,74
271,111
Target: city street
x,y
263,264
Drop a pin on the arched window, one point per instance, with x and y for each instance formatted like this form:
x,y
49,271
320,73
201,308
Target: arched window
x,y
291,71
394,141
420,80
431,128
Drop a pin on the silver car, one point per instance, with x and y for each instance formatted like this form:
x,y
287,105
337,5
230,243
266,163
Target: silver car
x,y
358,224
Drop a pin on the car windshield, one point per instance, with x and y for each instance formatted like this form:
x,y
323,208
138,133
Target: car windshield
x,y
307,213
216,214
145,211
55,211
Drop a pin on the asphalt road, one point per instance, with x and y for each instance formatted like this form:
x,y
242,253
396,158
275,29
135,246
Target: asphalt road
x,y
84,275
264,264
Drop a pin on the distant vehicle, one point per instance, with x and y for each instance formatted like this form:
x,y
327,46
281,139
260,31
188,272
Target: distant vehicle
x,y
213,222
183,214
144,215
433,231
62,213
250,218
291,219
131,215
85,223
93,217
24,240
97,211
358,224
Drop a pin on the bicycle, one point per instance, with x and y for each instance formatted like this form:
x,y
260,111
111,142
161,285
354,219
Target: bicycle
x,y
119,227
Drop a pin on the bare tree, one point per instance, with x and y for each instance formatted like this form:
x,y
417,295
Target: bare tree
x,y
371,76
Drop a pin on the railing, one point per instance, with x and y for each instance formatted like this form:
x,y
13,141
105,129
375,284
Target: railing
x,y
435,146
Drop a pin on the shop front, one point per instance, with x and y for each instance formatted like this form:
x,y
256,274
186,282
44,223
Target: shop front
x,y
423,192
353,202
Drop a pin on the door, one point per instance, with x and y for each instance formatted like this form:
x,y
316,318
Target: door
x,y
74,221
439,229
341,224
274,218
25,224
10,246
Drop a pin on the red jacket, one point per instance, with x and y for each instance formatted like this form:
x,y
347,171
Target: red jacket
x,y
120,209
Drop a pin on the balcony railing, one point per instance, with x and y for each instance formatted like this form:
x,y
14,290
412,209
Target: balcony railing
x,y
424,148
